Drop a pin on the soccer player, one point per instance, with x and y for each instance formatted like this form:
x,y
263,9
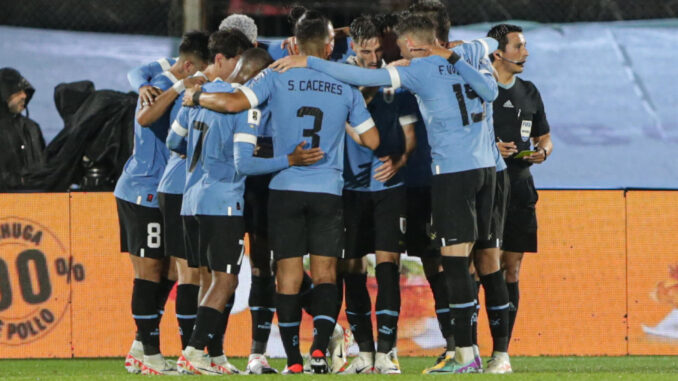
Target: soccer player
x,y
374,210
225,47
141,220
451,95
305,210
519,122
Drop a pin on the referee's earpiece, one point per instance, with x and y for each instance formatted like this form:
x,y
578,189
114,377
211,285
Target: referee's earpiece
x,y
508,60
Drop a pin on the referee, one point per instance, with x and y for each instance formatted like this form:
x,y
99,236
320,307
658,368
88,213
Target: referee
x,y
520,125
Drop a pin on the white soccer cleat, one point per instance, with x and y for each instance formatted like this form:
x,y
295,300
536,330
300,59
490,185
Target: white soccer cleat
x,y
221,365
362,364
194,361
156,365
387,363
257,364
500,363
135,358
339,342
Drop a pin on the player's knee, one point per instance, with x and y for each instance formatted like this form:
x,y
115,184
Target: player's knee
x,y
510,264
327,276
387,257
487,261
431,266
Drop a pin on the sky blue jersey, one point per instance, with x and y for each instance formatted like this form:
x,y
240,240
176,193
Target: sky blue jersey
x,y
310,106
451,100
140,176
391,110
142,75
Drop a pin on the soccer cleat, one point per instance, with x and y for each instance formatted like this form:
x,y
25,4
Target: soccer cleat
x,y
477,358
337,348
387,363
499,364
194,361
257,364
440,361
221,365
293,369
156,365
135,358
451,366
319,362
363,364
307,364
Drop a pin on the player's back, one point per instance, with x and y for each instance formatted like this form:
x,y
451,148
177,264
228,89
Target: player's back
x,y
309,106
141,174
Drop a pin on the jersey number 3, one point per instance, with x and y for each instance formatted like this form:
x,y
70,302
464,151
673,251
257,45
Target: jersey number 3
x,y
317,115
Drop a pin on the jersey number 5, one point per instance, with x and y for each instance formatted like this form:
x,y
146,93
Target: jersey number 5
x,y
317,115
470,94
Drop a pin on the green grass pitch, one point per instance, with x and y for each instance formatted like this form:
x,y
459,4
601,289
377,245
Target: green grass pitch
x,y
526,368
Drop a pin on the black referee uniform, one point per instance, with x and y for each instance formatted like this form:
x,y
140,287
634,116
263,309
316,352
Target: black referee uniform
x,y
519,116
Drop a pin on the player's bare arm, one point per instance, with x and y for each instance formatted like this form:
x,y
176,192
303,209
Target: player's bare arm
x,y
390,167
543,148
220,102
151,112
286,63
148,93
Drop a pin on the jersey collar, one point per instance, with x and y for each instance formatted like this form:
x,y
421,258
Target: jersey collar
x,y
508,85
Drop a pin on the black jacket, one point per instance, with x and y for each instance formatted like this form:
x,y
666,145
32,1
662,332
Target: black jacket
x,y
21,142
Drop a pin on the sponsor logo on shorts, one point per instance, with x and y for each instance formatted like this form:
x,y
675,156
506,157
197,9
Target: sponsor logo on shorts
x,y
36,276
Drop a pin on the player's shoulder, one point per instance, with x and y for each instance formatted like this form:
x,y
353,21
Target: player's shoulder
x,y
164,80
217,87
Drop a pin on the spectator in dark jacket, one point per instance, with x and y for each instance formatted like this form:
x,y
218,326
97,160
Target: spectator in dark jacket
x,y
21,142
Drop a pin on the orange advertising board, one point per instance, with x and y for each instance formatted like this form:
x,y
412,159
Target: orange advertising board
x,y
65,287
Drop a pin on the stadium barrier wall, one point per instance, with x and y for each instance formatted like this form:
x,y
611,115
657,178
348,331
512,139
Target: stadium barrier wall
x,y
604,283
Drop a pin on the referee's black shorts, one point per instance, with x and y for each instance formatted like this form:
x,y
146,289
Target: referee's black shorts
x,y
501,196
461,204
520,230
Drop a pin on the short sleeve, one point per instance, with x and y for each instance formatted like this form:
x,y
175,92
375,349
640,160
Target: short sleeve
x,y
406,76
180,123
408,112
540,124
359,118
247,124
259,90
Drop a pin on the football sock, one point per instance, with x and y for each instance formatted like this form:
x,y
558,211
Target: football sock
x,y
289,318
206,326
514,298
442,305
306,294
262,309
164,290
324,314
388,305
186,310
359,311
474,318
461,297
215,347
145,313
340,292
497,306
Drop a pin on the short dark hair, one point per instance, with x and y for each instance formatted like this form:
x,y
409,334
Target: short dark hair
x,y
411,23
364,28
311,30
229,42
500,33
387,21
195,43
437,12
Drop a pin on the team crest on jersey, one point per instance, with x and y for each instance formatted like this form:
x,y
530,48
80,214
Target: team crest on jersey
x,y
253,117
389,94
403,225
525,130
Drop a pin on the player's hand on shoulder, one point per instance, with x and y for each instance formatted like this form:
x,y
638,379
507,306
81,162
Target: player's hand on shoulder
x,y
302,157
507,149
288,44
193,81
455,43
147,94
284,64
188,96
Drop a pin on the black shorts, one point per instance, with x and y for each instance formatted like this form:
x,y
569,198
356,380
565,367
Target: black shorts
x,y
303,223
461,206
192,242
140,230
222,242
418,234
173,228
256,219
501,195
520,230
374,221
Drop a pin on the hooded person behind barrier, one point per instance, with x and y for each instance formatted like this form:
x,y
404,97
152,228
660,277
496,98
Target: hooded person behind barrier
x,y
21,142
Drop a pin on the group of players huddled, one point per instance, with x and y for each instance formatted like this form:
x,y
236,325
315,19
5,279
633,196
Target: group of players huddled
x,y
392,149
